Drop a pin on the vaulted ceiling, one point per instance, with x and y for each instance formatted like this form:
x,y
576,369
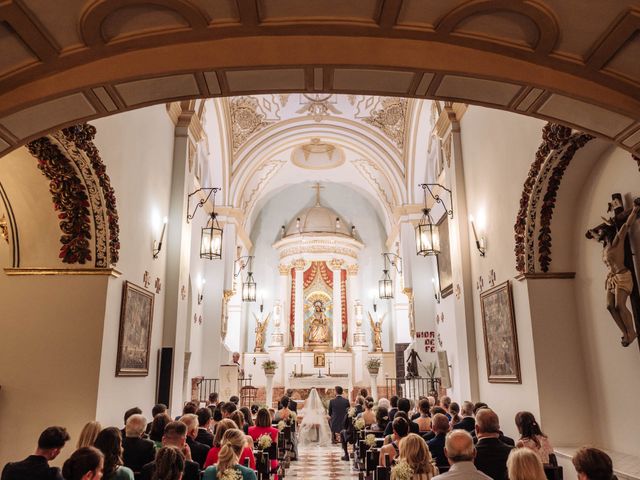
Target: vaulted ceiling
x,y
573,61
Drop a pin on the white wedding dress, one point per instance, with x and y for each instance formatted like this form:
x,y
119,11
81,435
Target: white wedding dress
x,y
314,428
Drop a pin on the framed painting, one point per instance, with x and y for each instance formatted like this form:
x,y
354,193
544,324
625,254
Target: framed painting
x,y
445,275
500,335
318,360
134,337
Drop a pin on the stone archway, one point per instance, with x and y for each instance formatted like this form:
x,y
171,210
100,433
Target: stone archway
x,y
96,58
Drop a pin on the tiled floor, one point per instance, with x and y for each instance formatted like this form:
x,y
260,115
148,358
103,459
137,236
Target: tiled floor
x,y
320,463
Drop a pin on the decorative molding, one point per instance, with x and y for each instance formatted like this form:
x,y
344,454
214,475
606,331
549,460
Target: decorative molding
x,y
299,264
558,147
158,285
284,269
546,276
4,228
146,279
183,292
353,270
391,119
245,120
61,271
411,311
336,263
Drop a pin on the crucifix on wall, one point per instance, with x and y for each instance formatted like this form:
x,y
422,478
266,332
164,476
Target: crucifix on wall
x,y
621,282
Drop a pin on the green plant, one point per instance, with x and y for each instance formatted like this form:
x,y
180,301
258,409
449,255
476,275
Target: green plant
x,y
374,363
269,365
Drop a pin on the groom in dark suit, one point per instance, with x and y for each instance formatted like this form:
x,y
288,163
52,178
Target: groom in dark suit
x,y
338,408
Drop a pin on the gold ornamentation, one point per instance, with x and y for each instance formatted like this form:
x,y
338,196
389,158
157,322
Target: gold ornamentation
x,y
226,294
336,263
412,320
245,120
352,270
299,264
261,330
391,119
284,269
318,106
4,228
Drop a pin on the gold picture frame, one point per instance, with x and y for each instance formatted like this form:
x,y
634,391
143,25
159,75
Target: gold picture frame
x,y
319,360
134,336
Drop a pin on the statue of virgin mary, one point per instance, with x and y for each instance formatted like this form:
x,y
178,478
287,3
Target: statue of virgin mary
x,y
319,327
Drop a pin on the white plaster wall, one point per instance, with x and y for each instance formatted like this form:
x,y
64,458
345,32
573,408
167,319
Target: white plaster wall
x,y
137,148
497,149
614,384
279,210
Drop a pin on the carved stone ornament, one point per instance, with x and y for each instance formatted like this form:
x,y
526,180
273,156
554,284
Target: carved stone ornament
x,y
492,278
391,119
284,269
458,291
353,270
227,294
4,228
318,105
411,312
158,285
299,264
183,292
245,120
336,263
146,279
480,284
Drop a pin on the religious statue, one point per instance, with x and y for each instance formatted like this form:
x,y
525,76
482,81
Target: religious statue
x,y
619,282
412,364
376,330
261,329
319,328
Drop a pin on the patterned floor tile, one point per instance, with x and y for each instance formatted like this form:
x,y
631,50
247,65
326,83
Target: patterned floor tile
x,y
322,463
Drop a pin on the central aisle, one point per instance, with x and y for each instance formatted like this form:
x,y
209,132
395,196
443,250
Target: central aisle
x,y
320,463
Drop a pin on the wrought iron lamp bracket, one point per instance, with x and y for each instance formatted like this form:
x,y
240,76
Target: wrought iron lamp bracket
x,y
429,187
202,201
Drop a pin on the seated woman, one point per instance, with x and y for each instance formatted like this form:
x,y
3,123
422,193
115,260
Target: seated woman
x,y
109,442
233,446
524,464
86,463
263,427
284,413
170,464
238,419
414,451
368,415
212,456
454,411
532,437
157,429
382,419
392,449
88,434
424,420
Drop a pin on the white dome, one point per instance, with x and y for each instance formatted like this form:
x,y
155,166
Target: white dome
x,y
318,220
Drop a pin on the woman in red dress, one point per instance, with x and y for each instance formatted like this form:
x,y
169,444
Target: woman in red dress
x,y
212,456
263,427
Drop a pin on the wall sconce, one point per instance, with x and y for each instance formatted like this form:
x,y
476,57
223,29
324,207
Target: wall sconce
x,y
481,243
202,281
211,233
436,290
157,246
385,285
427,235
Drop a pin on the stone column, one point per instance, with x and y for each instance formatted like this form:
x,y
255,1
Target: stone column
x,y
269,389
352,291
284,299
336,266
299,308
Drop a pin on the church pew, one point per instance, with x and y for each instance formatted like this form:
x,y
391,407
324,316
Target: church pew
x,y
371,460
263,465
552,470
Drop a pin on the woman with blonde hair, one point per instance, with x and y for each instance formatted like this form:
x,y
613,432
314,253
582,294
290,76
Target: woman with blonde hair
x,y
214,452
415,455
525,464
169,464
89,434
233,444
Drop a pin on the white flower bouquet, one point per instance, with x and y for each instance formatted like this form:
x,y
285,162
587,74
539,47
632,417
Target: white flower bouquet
x,y
370,440
264,441
231,474
402,471
352,412
359,424
282,425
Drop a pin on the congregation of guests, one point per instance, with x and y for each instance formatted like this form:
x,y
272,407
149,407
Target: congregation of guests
x,y
441,439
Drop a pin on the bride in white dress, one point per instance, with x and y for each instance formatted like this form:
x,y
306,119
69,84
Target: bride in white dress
x,y
314,428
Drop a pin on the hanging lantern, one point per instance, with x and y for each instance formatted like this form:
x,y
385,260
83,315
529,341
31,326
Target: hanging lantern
x,y
427,236
385,286
249,289
211,239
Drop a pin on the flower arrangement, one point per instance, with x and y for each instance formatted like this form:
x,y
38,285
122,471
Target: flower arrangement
x,y
351,412
370,440
264,441
359,424
282,425
231,474
269,366
374,364
402,471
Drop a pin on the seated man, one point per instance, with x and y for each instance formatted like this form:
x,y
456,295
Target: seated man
x,y
460,452
213,400
227,409
127,415
592,464
440,426
204,423
400,428
157,409
175,435
36,466
492,455
137,451
467,423
199,451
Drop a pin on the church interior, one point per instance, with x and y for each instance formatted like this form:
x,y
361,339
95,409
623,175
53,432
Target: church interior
x,y
265,198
